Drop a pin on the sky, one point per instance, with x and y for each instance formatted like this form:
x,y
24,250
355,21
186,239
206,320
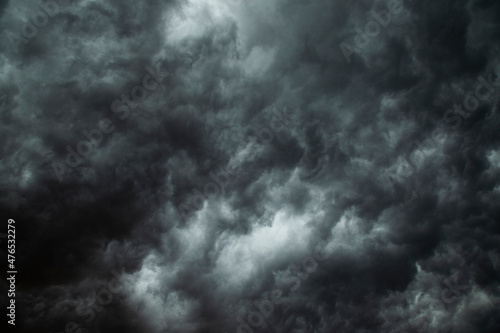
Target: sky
x,y
287,166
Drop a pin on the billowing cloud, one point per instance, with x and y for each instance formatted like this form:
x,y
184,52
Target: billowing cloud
x,y
252,166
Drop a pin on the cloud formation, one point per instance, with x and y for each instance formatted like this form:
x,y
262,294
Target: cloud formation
x,y
370,164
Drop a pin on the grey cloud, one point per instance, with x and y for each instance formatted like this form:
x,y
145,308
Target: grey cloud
x,y
405,205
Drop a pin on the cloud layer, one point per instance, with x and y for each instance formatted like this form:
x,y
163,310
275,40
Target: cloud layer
x,y
363,159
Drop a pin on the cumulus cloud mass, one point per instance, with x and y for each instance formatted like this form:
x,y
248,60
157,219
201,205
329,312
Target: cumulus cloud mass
x,y
251,165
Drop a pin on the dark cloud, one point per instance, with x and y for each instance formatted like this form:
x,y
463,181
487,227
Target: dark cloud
x,y
260,144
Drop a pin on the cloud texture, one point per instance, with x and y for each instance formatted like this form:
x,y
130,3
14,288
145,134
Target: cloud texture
x,y
352,191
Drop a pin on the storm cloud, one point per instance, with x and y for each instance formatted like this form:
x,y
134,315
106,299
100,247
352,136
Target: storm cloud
x,y
252,165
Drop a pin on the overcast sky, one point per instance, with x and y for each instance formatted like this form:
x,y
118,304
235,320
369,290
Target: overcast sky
x,y
252,165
